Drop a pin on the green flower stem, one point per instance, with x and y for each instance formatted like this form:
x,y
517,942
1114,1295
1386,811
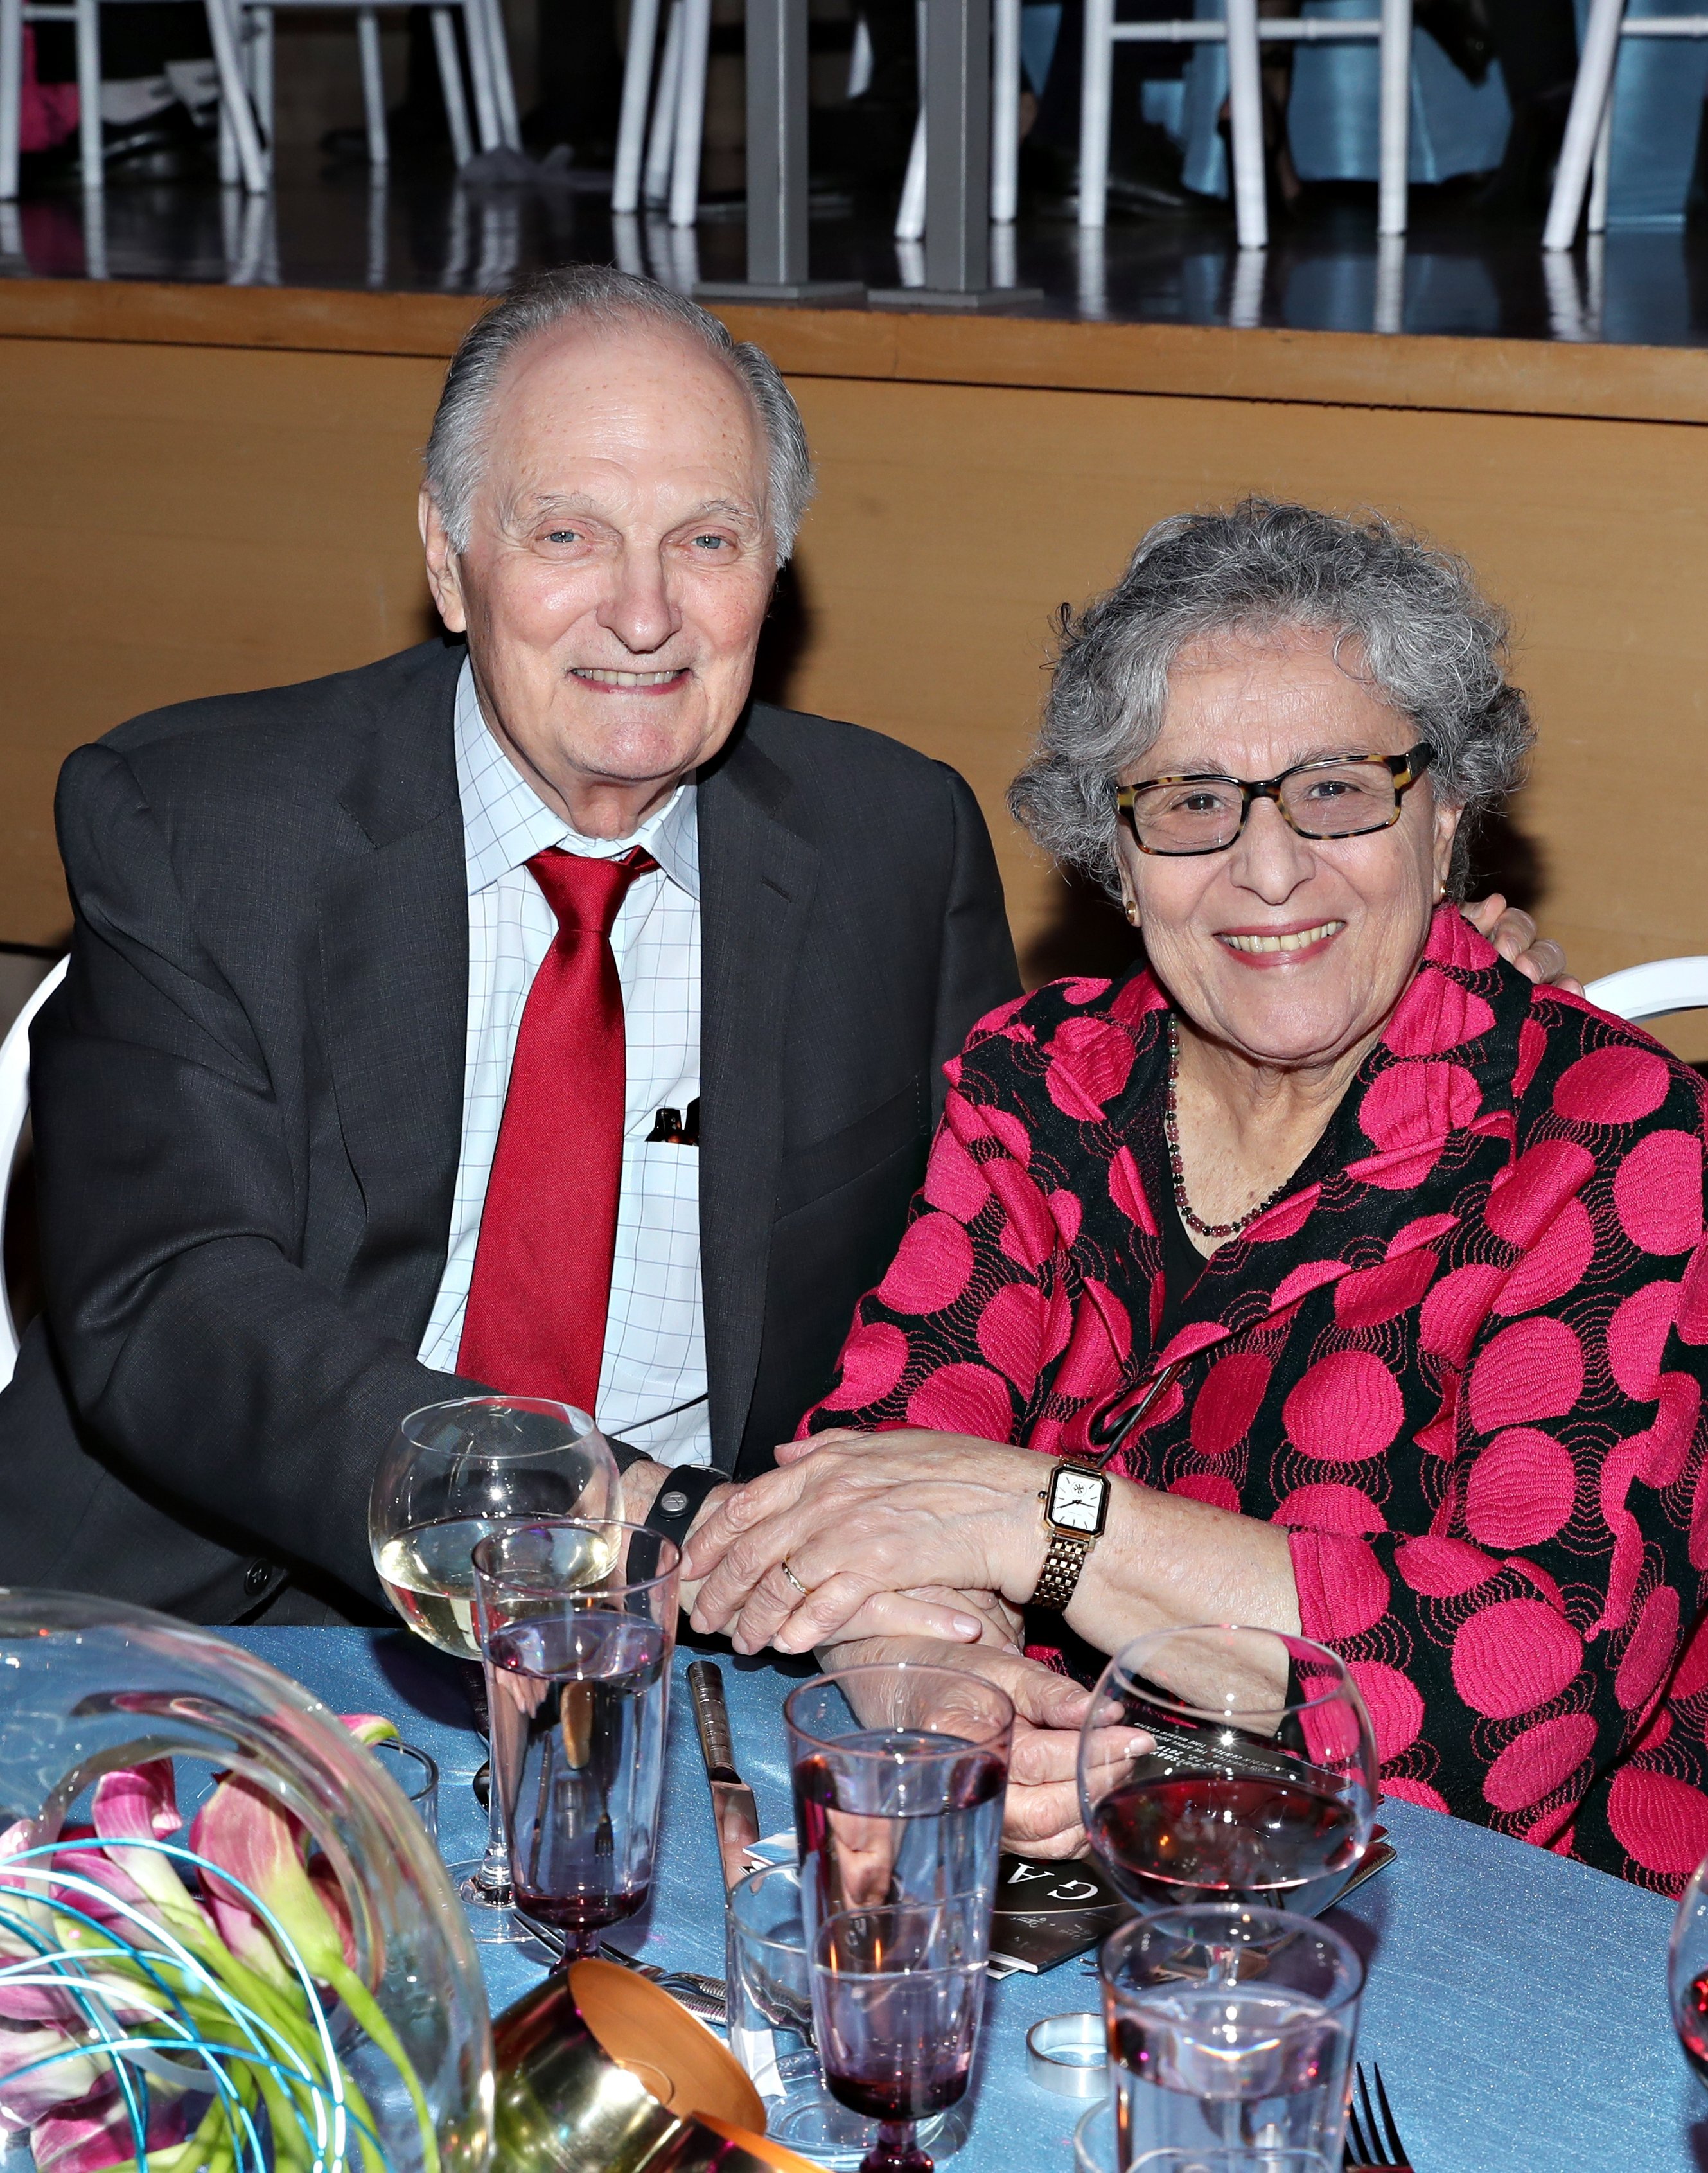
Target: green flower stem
x,y
368,2012
312,2093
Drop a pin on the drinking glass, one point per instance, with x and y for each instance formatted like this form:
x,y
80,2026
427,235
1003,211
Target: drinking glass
x,y
1687,1972
416,1774
899,1773
896,1995
577,1621
453,1473
1229,2026
1262,1784
1094,2152
769,1980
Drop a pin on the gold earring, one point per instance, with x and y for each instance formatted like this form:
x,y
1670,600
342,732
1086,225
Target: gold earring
x,y
1132,913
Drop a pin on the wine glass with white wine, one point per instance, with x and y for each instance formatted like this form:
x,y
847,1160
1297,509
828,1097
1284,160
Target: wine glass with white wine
x,y
454,1474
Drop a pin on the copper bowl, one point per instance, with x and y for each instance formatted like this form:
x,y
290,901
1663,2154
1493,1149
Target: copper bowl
x,y
600,2071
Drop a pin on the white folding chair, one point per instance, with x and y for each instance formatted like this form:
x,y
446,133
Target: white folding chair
x,y
1244,31
489,70
670,147
1652,990
14,1108
84,17
1585,155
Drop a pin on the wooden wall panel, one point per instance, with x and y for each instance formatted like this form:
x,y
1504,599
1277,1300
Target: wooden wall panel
x,y
183,520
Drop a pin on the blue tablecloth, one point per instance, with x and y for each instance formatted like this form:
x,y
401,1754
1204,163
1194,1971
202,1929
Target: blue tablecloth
x,y
1517,2003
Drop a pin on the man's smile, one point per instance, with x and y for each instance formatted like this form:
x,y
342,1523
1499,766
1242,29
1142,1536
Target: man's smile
x,y
646,682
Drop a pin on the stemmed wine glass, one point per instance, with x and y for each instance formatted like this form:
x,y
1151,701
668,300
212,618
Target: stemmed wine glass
x,y
1687,1972
453,1473
899,1772
897,1992
577,1622
1261,1783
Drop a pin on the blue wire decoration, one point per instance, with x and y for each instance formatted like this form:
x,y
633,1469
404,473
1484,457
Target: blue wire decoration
x,y
167,2022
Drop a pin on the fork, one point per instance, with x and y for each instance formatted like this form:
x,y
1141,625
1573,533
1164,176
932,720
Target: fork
x,y
706,1997
1372,2146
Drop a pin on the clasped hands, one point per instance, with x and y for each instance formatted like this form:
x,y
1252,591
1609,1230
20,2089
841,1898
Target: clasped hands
x,y
914,1544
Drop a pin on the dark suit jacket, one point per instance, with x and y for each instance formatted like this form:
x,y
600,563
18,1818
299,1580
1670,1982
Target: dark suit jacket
x,y
248,1101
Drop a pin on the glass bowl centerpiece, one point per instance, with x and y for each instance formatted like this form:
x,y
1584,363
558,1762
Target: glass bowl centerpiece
x,y
278,1978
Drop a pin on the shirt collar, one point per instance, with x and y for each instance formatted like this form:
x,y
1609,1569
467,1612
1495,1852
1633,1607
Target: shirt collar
x,y
505,821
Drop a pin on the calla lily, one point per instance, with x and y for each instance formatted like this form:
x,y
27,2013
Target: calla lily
x,y
140,1802
256,1840
96,2133
21,1900
244,1830
370,1726
27,2097
78,2118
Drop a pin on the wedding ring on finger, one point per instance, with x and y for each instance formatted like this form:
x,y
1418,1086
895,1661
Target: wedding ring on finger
x,y
805,1591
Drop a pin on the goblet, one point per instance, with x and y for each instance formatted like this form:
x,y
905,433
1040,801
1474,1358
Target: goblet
x,y
577,1622
1261,1783
1687,1972
896,1995
1230,2027
452,1474
899,1774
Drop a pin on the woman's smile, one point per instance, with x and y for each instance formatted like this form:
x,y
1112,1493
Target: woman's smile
x,y
1264,948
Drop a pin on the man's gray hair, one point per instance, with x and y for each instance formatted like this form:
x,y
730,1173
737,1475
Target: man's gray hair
x,y
599,296
1409,621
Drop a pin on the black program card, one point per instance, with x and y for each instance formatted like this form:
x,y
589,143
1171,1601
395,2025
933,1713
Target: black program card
x,y
1046,1912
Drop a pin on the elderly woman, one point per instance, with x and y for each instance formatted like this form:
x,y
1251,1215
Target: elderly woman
x,y
1346,1282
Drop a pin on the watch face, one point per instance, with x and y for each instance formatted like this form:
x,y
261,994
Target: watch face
x,y
1076,1500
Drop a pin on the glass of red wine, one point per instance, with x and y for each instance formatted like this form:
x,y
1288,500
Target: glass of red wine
x,y
1687,1972
577,1623
897,1992
1260,1783
899,1773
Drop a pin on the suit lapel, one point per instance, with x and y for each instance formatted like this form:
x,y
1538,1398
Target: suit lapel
x,y
758,876
394,957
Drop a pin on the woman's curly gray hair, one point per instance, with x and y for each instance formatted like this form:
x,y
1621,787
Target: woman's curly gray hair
x,y
1415,626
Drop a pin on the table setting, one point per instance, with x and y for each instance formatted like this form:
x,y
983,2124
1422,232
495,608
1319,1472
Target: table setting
x,y
724,1912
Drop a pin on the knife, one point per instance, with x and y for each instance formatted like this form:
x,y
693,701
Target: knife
x,y
733,1812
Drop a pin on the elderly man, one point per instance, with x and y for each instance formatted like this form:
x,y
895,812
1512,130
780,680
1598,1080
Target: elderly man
x,y
715,952
532,1010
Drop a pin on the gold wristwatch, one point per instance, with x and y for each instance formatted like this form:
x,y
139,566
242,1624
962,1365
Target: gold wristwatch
x,y
1075,1506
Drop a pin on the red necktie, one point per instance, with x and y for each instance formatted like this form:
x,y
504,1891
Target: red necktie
x,y
534,1322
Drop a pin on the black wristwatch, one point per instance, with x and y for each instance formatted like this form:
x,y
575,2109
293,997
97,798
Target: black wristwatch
x,y
679,1501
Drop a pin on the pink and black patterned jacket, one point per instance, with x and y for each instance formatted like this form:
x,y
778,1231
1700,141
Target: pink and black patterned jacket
x,y
1461,1360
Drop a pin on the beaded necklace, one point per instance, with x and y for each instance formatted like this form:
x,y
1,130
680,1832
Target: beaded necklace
x,y
1170,1132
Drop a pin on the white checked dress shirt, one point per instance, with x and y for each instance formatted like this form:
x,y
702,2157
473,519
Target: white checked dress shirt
x,y
655,1335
